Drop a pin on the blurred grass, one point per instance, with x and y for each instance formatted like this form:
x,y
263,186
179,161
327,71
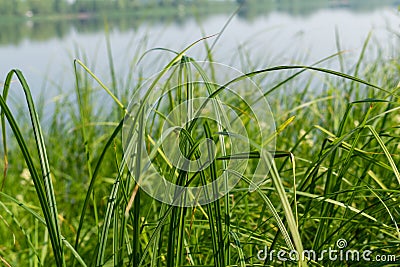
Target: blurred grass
x,y
334,176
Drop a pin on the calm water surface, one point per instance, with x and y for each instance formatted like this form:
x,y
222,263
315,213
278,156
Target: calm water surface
x,y
278,37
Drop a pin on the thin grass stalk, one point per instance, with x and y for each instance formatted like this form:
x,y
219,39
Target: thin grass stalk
x,y
136,211
322,70
31,245
385,151
217,208
177,223
329,188
339,49
291,220
4,137
84,121
169,210
42,220
93,181
108,91
238,246
110,58
185,73
115,243
270,206
108,217
334,186
43,186
358,65
92,175
217,107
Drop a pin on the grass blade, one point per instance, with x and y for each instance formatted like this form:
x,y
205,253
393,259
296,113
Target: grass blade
x,y
43,185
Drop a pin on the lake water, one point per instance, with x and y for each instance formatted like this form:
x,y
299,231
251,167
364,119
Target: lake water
x,y
44,51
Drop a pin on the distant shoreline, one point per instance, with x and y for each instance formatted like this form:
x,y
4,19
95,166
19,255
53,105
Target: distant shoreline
x,y
250,8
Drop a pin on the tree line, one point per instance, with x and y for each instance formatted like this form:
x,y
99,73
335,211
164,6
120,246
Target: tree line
x,y
50,7
15,8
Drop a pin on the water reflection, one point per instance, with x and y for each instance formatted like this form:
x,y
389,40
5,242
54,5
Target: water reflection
x,y
264,33
14,32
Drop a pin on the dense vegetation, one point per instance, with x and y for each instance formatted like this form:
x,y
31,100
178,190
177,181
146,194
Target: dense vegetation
x,y
69,199
29,8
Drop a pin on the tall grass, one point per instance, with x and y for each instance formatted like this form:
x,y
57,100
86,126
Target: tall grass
x,y
334,174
